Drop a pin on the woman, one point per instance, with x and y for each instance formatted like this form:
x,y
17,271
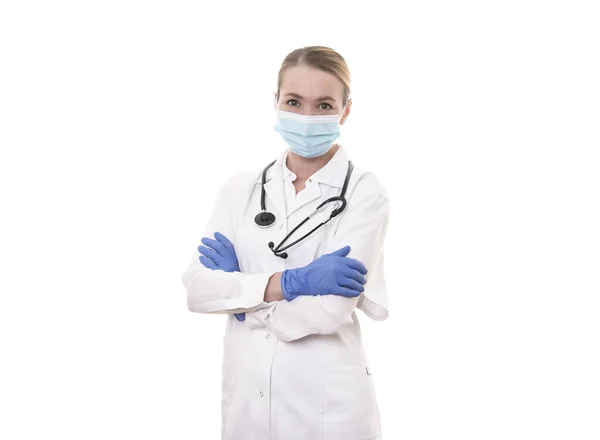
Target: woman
x,y
293,363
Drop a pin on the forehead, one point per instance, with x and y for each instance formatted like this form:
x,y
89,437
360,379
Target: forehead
x,y
311,83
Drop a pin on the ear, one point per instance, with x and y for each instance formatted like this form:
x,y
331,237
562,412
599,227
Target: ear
x,y
275,100
346,111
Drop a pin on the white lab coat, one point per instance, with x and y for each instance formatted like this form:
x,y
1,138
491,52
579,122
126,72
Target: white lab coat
x,y
295,370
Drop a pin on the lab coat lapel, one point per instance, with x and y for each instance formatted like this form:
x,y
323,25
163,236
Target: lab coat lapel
x,y
333,173
274,190
304,197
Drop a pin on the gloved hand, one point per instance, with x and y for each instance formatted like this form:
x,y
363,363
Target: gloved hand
x,y
220,255
330,274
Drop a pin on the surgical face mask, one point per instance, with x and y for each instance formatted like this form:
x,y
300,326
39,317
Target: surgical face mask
x,y
308,136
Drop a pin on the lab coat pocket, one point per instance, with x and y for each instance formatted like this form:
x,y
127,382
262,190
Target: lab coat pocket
x,y
350,408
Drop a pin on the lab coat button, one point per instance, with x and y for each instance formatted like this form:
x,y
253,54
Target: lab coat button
x,y
261,394
268,336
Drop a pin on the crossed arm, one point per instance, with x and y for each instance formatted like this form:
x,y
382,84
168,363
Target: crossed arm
x,y
260,296
363,229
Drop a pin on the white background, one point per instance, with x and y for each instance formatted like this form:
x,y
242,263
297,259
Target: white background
x,y
120,119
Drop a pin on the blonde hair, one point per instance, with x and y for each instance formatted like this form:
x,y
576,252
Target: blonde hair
x,y
318,57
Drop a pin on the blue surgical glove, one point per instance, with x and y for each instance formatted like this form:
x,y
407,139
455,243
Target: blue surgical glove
x,y
330,274
220,254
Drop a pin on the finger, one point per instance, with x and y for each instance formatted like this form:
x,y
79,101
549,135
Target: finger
x,y
209,253
240,316
353,274
345,291
342,252
355,264
351,284
224,241
208,263
214,244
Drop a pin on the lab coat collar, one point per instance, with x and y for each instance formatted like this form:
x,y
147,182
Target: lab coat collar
x,y
333,173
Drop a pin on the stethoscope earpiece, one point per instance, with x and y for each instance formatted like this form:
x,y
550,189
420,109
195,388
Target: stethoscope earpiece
x,y
283,255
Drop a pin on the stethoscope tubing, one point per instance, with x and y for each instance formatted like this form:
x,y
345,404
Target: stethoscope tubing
x,y
278,250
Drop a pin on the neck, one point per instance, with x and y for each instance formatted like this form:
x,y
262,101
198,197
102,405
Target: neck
x,y
304,167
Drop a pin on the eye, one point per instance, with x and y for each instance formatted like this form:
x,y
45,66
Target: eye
x,y
328,106
292,100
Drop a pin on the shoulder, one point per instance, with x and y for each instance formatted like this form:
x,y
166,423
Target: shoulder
x,y
366,185
238,187
239,181
241,178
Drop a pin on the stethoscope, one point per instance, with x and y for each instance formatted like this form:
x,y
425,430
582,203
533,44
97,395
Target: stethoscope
x,y
265,219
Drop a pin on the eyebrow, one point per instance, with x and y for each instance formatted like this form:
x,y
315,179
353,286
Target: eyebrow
x,y
324,98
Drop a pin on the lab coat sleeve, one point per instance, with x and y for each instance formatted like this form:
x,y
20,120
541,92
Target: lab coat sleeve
x,y
363,228
216,291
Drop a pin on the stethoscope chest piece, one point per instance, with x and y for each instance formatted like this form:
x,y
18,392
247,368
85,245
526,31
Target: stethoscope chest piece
x,y
264,219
